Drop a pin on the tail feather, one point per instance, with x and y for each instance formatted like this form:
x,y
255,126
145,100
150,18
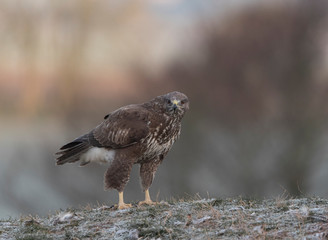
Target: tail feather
x,y
71,152
70,145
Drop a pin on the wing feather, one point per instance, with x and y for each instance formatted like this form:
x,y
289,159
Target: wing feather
x,y
124,127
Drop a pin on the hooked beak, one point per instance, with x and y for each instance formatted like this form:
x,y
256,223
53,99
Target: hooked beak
x,y
175,104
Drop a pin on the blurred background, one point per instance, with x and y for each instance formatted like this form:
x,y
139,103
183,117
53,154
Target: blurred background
x,y
256,73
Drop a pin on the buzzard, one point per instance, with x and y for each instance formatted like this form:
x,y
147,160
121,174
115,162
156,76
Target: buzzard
x,y
135,134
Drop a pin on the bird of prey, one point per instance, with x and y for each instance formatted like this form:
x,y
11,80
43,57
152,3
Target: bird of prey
x,y
134,134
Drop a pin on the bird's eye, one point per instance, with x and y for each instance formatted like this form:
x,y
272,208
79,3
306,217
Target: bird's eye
x,y
168,101
184,101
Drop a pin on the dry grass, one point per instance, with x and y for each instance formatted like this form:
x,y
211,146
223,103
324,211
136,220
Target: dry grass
x,y
182,219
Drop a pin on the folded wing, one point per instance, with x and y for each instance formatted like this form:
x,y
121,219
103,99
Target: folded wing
x,y
122,128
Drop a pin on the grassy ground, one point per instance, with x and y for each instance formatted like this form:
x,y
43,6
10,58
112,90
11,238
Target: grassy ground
x,y
185,219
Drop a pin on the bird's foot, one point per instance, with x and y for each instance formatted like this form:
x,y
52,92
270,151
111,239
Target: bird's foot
x,y
124,206
121,204
147,202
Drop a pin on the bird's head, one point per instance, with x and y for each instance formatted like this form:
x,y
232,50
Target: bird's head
x,y
175,103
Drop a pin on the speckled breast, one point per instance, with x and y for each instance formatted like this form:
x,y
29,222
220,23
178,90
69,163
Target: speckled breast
x,y
159,142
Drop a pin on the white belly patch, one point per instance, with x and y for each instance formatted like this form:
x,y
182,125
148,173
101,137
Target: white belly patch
x,y
99,155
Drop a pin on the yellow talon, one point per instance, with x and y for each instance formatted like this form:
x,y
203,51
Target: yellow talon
x,y
124,206
121,204
147,201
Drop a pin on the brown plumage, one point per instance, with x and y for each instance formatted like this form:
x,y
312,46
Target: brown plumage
x,y
135,134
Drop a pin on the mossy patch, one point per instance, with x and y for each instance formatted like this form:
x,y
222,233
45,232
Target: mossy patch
x,y
217,202
33,226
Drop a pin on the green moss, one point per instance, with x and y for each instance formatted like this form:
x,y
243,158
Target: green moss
x,y
152,212
321,201
68,235
33,237
140,225
73,223
153,232
217,202
200,206
282,208
34,228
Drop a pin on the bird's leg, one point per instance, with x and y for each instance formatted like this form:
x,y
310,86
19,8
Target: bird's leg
x,y
147,201
121,204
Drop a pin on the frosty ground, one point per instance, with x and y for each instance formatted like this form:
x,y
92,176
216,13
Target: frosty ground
x,y
240,218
